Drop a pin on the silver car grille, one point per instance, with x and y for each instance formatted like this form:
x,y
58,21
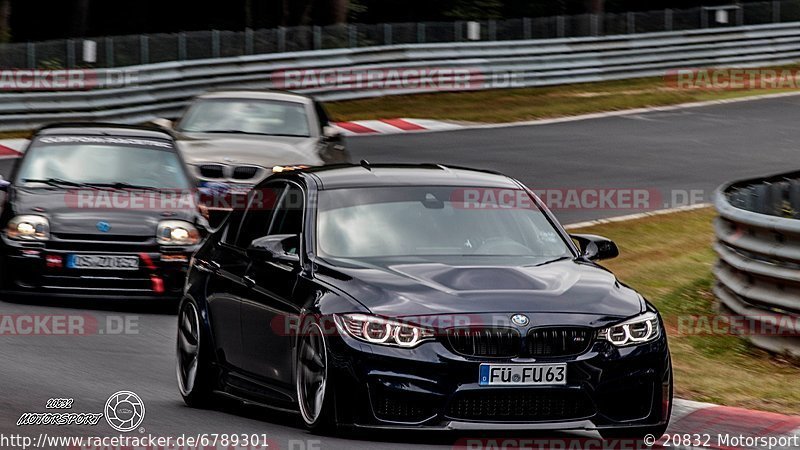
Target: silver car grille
x,y
231,173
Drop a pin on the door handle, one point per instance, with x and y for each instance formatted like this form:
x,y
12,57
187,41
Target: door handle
x,y
248,281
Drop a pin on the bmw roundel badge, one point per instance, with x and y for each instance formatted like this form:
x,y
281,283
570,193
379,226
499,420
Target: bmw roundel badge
x,y
520,320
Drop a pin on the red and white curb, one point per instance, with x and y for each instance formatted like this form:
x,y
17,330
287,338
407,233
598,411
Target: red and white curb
x,y
394,126
12,148
703,425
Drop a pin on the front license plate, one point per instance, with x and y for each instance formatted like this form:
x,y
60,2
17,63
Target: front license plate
x,y
240,189
522,374
108,262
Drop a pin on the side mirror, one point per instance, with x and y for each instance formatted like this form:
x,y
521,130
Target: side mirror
x,y
277,248
4,184
163,123
331,132
596,248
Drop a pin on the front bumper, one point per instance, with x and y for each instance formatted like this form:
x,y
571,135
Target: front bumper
x,y
34,268
431,387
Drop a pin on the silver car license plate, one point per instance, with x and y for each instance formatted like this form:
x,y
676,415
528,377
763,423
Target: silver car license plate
x,y
108,262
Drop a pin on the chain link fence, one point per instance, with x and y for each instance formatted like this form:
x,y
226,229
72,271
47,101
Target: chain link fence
x,y
121,51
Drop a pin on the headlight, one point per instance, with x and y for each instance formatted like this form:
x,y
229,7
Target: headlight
x,y
641,329
377,330
177,232
28,228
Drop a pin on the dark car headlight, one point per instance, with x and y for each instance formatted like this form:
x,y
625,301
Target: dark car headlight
x,y
640,329
378,330
28,227
177,232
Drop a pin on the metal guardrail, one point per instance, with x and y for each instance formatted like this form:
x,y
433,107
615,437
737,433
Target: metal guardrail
x,y
163,89
758,244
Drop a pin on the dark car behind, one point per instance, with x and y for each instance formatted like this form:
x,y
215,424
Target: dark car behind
x,y
99,210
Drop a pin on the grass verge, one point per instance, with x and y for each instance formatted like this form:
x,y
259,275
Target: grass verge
x,y
15,134
668,259
513,105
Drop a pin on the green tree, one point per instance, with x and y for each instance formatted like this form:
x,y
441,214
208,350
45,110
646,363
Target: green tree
x,y
476,10
5,20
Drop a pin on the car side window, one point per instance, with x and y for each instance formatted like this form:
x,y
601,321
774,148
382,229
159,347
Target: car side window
x,y
260,210
231,229
288,217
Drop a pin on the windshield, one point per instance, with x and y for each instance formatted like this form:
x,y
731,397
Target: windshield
x,y
63,161
432,222
261,117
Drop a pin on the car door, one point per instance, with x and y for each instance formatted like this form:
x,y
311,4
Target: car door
x,y
226,265
268,313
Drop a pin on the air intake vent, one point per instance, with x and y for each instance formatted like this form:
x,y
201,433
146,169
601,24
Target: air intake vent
x,y
522,406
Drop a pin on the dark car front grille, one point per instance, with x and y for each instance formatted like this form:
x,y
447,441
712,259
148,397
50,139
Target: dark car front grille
x,y
101,237
507,342
244,172
485,342
108,284
532,405
212,171
545,342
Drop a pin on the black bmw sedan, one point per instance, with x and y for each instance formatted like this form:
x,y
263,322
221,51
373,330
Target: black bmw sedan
x,y
425,297
99,210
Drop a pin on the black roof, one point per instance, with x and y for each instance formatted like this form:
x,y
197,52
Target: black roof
x,y
372,175
103,129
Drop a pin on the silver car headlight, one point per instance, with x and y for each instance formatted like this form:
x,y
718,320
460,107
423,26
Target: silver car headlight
x,y
640,329
28,227
177,232
377,330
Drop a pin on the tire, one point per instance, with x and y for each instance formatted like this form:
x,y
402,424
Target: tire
x,y
193,367
315,399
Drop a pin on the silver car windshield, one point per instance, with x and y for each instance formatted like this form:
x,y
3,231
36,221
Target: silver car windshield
x,y
424,222
245,116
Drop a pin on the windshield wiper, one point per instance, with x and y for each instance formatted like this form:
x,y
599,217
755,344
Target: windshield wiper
x,y
253,133
232,132
122,185
560,258
56,182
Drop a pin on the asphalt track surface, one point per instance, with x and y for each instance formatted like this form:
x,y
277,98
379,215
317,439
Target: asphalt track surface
x,y
685,149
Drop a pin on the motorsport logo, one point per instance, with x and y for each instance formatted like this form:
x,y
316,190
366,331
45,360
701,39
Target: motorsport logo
x,y
124,411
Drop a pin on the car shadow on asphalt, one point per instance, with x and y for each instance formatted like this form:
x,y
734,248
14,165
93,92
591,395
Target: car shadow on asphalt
x,y
144,306
450,438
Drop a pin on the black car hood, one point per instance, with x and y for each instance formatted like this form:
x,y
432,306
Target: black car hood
x,y
434,288
66,216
